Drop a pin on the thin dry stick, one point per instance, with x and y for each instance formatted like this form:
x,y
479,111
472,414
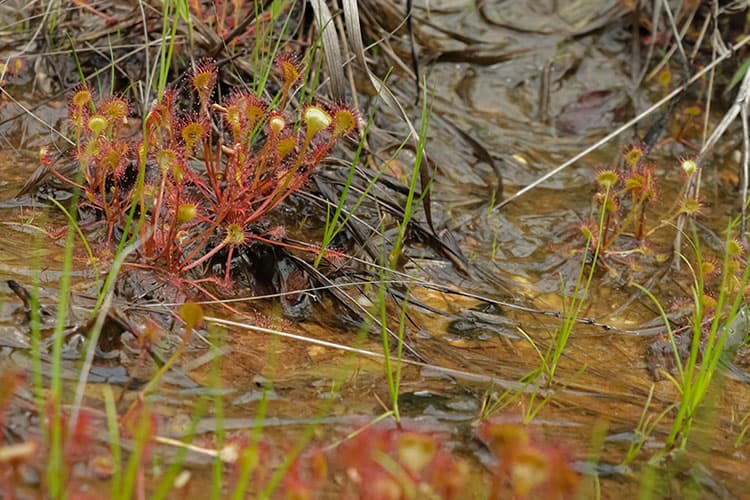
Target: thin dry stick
x,y
675,31
685,28
699,39
624,127
459,374
655,21
145,98
229,454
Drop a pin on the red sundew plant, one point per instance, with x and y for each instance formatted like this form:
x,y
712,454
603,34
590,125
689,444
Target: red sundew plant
x,y
621,200
200,182
13,456
306,476
225,18
141,424
532,469
20,459
394,464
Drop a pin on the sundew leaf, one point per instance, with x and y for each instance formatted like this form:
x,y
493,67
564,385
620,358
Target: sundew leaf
x,y
191,313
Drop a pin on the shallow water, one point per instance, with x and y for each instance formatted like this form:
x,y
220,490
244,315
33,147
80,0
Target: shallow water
x,y
526,255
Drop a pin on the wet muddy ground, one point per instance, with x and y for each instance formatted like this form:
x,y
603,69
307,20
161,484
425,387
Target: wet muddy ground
x,y
523,260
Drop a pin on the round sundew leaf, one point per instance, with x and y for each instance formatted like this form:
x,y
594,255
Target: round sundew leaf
x,y
98,124
186,212
191,313
316,119
344,122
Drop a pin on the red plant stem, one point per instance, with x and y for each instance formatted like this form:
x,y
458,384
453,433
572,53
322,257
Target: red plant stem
x,y
270,201
156,207
229,263
265,151
206,235
228,164
289,177
206,256
211,171
196,181
275,198
605,230
110,232
60,176
193,241
265,207
105,205
169,245
142,174
257,212
279,194
641,222
195,284
173,233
